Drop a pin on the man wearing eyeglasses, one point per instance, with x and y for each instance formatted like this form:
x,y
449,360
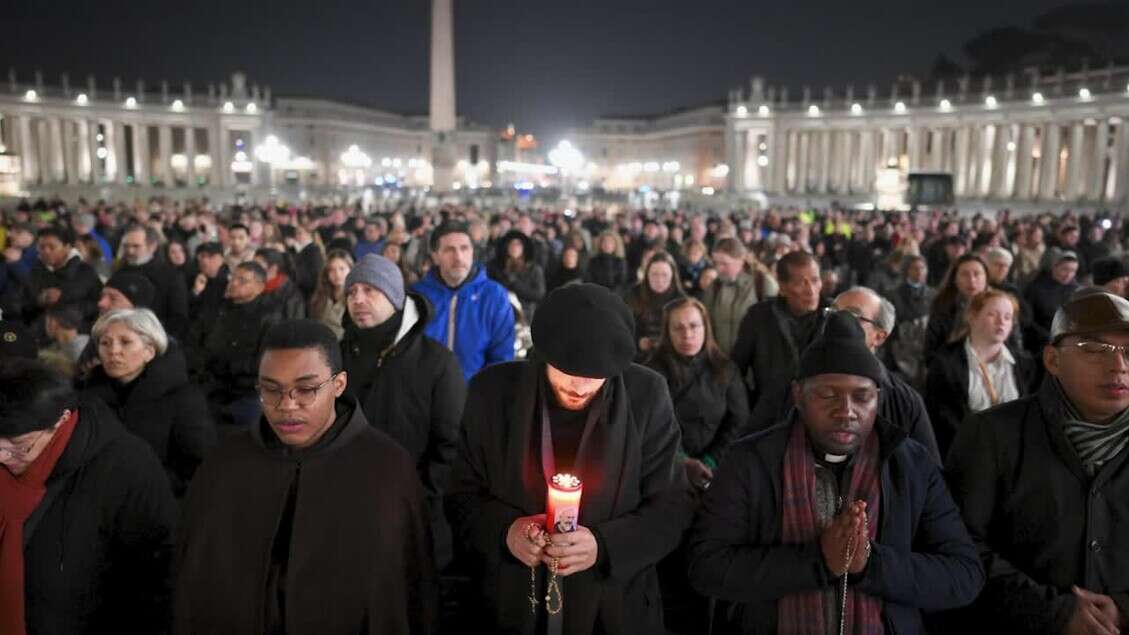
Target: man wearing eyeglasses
x,y
1043,482
899,403
311,521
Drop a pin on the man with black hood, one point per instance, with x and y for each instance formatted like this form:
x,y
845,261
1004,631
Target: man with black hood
x,y
409,386
310,522
516,268
86,513
584,409
833,508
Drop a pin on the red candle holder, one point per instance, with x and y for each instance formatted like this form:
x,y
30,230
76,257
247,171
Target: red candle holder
x,y
562,510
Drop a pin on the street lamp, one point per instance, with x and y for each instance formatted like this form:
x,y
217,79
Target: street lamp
x,y
272,153
567,159
357,161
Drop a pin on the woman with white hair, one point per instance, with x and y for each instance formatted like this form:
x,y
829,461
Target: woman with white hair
x,y
149,391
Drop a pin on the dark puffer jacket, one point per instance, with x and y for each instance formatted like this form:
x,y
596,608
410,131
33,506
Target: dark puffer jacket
x,y
413,391
165,410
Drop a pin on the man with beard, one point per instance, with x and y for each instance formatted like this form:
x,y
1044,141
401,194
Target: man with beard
x,y
409,385
833,508
584,409
170,302
311,521
473,317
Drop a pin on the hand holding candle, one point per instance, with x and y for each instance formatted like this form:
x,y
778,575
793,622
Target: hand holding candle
x,y
572,548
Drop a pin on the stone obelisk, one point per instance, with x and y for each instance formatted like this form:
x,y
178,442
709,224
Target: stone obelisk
x,y
442,112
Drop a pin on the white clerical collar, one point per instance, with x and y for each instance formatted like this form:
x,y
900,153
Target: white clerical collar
x,y
836,458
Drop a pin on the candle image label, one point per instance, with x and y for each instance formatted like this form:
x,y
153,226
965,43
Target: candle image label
x,y
562,511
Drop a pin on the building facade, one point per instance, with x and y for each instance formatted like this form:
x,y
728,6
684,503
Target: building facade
x,y
234,136
1056,139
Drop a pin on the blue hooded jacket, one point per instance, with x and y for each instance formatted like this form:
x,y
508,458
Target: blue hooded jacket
x,y
484,319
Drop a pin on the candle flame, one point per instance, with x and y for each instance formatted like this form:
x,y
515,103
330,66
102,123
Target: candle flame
x,y
566,481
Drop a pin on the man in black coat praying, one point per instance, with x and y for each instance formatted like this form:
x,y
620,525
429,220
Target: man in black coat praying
x,y
584,409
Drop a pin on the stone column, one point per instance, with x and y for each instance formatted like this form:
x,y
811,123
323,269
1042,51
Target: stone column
x,y
1048,162
1023,162
141,156
913,148
975,162
217,149
28,148
56,149
1119,172
848,160
1094,190
804,142
1076,163
1000,156
190,152
164,148
778,158
961,162
116,166
43,151
70,151
822,185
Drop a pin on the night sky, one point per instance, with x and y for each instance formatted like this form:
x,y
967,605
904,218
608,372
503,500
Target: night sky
x,y
544,65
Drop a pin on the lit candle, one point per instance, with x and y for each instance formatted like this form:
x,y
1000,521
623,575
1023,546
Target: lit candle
x,y
562,511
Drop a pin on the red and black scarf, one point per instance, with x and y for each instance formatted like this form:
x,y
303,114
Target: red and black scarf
x,y
805,613
19,496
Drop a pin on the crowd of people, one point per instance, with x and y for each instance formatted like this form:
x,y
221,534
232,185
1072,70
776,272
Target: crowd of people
x,y
320,418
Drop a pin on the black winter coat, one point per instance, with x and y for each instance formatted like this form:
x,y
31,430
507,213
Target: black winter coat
x,y
946,388
711,415
98,549
231,347
635,499
765,351
165,410
170,303
308,264
921,560
355,545
80,285
608,270
413,391
529,283
1044,295
1040,523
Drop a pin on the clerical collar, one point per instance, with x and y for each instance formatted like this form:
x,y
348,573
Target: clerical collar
x,y
835,458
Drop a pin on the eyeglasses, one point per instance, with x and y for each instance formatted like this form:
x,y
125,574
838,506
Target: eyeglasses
x,y
21,451
302,395
1094,351
853,311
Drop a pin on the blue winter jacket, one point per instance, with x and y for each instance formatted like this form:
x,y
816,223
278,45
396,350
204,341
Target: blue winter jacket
x,y
484,319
